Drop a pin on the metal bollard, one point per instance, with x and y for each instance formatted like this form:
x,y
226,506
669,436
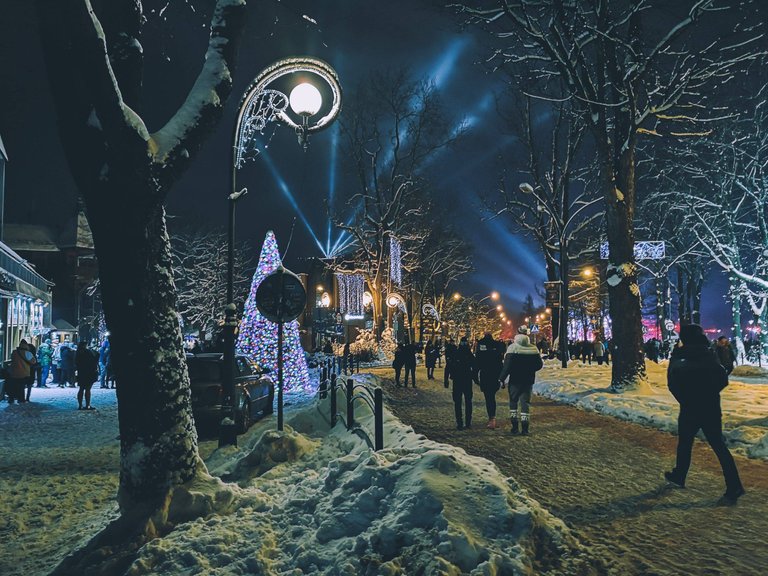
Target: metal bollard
x,y
350,405
334,408
323,389
378,419
323,374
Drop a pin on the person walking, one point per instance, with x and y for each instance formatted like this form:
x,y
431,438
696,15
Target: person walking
x,y
450,350
86,364
22,362
598,350
410,363
399,362
461,367
29,383
521,363
105,358
67,365
488,364
695,378
724,354
44,359
431,353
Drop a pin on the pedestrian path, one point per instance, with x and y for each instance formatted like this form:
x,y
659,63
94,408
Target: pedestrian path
x,y
604,478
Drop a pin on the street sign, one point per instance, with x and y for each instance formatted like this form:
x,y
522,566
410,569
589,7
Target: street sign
x,y
553,293
281,296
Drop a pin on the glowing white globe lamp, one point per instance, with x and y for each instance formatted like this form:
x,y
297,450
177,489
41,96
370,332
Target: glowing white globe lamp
x,y
305,99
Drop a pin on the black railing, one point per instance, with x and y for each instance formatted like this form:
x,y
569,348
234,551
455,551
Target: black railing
x,y
354,392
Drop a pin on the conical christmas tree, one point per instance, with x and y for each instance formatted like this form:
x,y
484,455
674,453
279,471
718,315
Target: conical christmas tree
x,y
258,336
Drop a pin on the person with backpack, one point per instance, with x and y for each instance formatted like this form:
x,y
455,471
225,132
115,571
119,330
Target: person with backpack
x,y
695,377
22,363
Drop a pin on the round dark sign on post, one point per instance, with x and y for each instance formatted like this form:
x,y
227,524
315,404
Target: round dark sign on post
x,y
281,296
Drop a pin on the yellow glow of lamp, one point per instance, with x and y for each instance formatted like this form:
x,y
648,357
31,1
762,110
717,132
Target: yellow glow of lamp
x,y
367,299
325,300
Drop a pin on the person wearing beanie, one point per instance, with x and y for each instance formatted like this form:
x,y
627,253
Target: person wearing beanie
x,y
695,378
521,363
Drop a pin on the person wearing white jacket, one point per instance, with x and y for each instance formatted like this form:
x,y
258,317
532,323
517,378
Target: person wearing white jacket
x,y
521,363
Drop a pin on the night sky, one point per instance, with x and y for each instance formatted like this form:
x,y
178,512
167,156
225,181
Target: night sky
x,y
288,188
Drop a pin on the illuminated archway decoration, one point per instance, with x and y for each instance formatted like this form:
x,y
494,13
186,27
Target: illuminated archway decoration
x,y
394,300
367,299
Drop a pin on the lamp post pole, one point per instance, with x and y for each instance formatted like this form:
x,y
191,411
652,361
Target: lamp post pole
x,y
260,106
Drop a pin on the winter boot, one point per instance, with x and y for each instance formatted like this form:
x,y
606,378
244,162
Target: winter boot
x,y
524,421
674,478
491,424
513,420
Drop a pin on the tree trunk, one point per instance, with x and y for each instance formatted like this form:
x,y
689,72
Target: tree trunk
x,y
628,367
158,441
734,294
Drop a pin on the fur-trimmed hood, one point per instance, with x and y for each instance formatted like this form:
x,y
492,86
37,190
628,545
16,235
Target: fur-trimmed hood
x,y
522,345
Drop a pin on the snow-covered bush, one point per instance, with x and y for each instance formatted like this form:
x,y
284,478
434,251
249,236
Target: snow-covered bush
x,y
365,346
388,344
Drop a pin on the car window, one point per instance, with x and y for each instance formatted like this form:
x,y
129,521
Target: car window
x,y
204,370
243,367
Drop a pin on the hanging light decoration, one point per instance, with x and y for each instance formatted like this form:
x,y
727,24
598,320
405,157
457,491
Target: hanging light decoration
x,y
351,288
395,263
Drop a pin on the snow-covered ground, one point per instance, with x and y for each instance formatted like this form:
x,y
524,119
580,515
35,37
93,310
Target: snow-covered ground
x,y
310,500
744,401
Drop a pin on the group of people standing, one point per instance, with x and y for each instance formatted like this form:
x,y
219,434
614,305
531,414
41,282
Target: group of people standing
x,y
67,366
493,366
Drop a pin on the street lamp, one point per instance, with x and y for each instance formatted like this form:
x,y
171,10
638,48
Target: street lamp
x,y
260,106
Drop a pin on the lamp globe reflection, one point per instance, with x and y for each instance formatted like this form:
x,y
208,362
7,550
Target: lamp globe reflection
x,y
305,99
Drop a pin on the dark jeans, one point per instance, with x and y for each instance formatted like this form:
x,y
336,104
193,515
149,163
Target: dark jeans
x,y
490,402
412,371
398,371
67,377
462,390
688,424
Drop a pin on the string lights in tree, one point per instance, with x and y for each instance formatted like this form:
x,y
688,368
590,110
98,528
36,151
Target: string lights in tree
x,y
351,289
257,338
395,261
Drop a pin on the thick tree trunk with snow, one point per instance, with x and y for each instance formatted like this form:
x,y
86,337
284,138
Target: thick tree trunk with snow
x,y
124,174
628,368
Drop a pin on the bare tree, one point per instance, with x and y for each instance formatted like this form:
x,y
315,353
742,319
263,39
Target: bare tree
x,y
200,270
392,127
124,172
628,73
557,208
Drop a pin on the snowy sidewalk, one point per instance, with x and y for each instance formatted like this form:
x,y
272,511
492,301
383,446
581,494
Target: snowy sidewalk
x,y
744,402
603,477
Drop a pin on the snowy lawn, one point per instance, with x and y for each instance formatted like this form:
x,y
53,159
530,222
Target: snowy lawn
x,y
309,501
744,401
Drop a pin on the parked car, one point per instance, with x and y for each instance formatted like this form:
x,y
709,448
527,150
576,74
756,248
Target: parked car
x,y
254,390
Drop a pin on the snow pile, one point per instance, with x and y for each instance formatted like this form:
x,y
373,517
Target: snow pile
x,y
744,403
319,501
749,371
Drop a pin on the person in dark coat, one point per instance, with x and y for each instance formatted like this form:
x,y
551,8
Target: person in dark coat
x,y
67,365
724,354
462,369
488,361
521,363
399,362
431,352
695,378
410,363
87,365
450,350
19,373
